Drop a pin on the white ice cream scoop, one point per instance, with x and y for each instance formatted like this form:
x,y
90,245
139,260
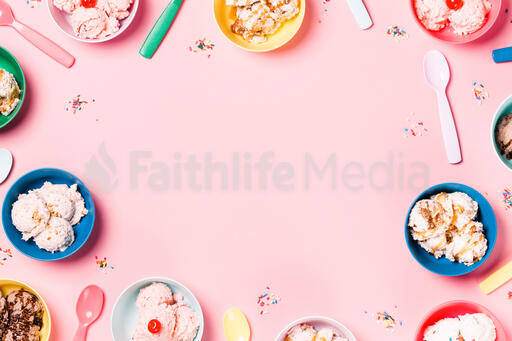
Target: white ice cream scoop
x,y
5,164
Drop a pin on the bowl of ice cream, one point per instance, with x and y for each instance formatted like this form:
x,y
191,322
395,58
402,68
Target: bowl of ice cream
x,y
259,25
456,21
48,214
451,229
93,21
12,87
501,133
26,308
157,308
460,320
315,328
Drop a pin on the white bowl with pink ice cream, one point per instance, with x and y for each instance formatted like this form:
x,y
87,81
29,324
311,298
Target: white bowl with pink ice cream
x,y
157,309
93,21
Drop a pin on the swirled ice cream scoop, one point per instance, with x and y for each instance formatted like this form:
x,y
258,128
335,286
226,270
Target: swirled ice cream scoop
x,y
445,225
477,327
163,316
306,332
9,92
463,16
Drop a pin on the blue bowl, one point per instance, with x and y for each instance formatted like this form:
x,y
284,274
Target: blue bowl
x,y
34,180
443,266
125,313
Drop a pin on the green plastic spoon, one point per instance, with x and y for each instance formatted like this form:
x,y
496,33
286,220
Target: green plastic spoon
x,y
160,29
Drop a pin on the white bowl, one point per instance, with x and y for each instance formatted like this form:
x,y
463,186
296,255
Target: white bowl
x,y
319,322
125,313
63,21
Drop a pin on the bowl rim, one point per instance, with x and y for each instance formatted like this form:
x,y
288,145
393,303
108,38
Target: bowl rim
x,y
45,306
92,211
497,323
476,36
16,110
165,280
339,325
469,269
497,116
301,15
127,22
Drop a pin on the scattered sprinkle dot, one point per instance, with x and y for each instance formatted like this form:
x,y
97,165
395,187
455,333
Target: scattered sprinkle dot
x,y
5,255
266,300
387,320
33,3
479,92
507,198
325,4
103,264
77,104
397,33
203,46
415,127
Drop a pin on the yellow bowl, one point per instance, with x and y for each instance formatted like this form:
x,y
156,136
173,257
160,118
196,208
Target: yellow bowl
x,y
226,16
8,285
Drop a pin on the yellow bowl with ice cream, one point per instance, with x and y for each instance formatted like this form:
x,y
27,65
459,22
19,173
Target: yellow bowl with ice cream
x,y
8,285
226,15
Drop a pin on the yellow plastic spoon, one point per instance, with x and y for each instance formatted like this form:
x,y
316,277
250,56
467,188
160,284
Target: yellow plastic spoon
x,y
236,326
497,279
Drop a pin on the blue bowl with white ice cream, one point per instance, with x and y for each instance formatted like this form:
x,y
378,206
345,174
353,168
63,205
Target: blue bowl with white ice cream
x,y
48,214
451,229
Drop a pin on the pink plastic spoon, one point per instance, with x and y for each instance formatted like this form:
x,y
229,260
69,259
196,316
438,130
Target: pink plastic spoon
x,y
88,309
44,44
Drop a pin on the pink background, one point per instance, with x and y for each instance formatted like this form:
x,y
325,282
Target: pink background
x,y
334,88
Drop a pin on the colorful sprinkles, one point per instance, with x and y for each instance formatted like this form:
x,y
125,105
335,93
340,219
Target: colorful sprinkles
x,y
76,104
397,33
33,3
324,5
387,320
507,198
103,264
202,45
479,92
416,128
266,300
5,255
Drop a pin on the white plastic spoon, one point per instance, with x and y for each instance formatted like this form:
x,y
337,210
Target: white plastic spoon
x,y
5,164
437,73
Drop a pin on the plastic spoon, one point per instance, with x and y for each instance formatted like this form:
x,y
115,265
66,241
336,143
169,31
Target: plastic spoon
x,y
497,279
360,12
236,326
5,164
88,309
44,44
160,29
437,73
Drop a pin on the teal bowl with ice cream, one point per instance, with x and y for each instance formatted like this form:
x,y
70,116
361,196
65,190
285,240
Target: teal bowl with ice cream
x,y
11,65
503,110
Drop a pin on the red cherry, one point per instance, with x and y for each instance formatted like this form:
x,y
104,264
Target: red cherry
x,y
88,3
454,4
154,326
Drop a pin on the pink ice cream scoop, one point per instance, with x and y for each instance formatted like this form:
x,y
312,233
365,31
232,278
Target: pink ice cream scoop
x,y
92,23
115,8
68,6
164,316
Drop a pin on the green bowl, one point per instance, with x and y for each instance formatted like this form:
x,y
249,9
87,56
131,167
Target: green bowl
x,y
504,109
9,63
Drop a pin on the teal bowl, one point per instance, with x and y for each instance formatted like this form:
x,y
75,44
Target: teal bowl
x,y
125,313
505,108
10,64
443,266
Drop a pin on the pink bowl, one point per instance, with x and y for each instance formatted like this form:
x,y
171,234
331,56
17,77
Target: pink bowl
x,y
454,309
449,36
